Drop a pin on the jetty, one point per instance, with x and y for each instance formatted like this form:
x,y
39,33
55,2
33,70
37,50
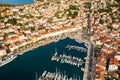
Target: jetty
x,y
68,59
76,48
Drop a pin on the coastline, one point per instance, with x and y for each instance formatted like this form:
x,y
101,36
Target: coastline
x,y
75,34
39,60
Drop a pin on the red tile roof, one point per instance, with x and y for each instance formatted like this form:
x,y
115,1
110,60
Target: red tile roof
x,y
99,73
114,61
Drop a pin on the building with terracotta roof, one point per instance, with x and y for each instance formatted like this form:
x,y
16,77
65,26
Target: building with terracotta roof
x,y
101,65
94,37
115,33
2,51
104,49
12,47
14,39
101,62
21,36
99,73
7,41
113,65
117,56
19,43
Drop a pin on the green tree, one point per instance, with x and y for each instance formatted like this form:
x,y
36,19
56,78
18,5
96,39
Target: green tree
x,y
32,28
73,7
96,49
101,21
13,21
87,5
74,15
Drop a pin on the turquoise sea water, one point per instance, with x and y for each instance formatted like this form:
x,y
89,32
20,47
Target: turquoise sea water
x,y
16,2
25,66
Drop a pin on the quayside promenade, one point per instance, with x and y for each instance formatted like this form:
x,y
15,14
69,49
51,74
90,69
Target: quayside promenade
x,y
73,33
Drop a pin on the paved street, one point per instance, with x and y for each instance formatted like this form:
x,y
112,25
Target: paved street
x,y
90,62
86,76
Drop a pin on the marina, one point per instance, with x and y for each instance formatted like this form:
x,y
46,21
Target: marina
x,y
57,76
68,59
39,60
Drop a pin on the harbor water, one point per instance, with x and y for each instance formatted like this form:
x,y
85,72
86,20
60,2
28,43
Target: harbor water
x,y
25,66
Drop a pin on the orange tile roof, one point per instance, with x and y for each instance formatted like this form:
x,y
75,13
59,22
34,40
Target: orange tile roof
x,y
15,38
101,61
7,41
21,30
99,69
18,42
99,73
37,36
20,34
63,28
109,36
100,30
104,39
109,42
99,76
11,45
116,46
115,42
44,33
115,32
114,61
118,51
103,34
104,48
95,36
103,54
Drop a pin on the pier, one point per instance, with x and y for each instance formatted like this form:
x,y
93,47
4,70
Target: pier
x,y
76,48
72,60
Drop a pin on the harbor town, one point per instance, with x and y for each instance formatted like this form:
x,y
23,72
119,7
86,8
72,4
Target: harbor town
x,y
95,23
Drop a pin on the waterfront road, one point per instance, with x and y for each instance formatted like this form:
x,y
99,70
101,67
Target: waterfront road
x,y
93,63
86,71
90,61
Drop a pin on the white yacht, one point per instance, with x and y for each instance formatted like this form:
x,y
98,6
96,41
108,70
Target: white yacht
x,y
7,59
